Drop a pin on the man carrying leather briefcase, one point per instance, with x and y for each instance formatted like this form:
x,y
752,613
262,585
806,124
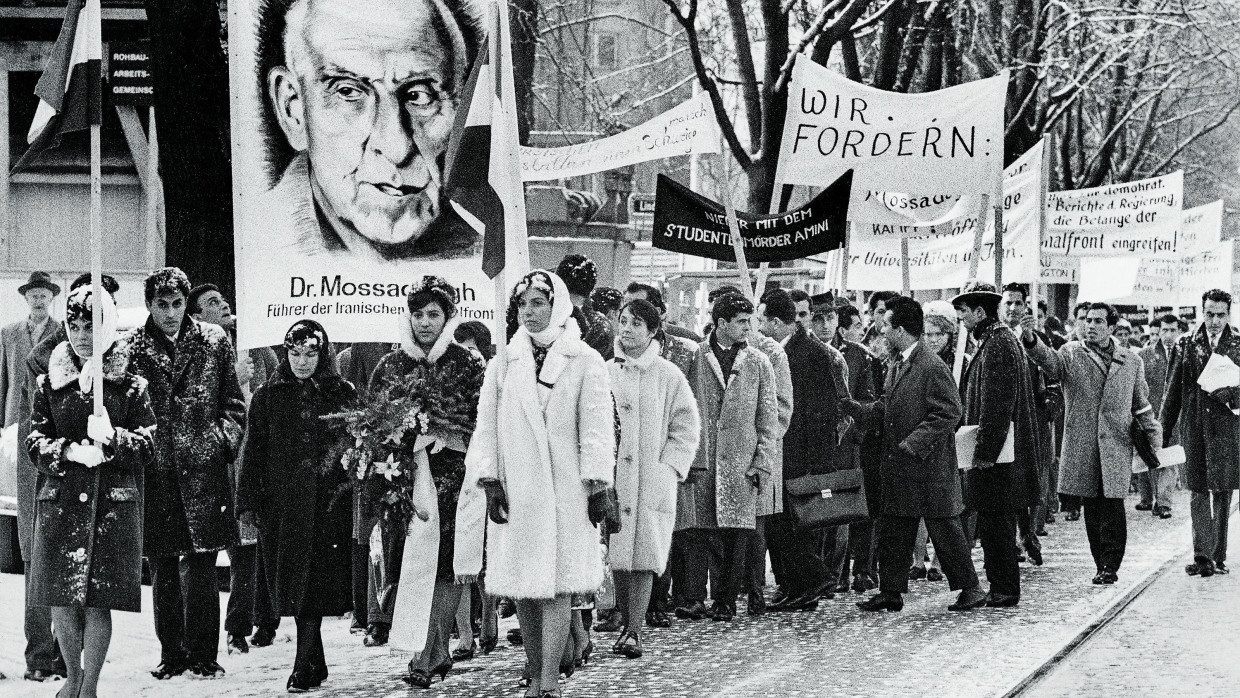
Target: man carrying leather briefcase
x,y
919,413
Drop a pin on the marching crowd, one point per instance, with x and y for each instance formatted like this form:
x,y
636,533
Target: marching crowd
x,y
610,470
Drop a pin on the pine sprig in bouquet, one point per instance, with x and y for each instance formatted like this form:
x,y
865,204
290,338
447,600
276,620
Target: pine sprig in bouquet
x,y
438,400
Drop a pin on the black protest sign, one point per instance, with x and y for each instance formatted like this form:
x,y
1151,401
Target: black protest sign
x,y
129,74
692,224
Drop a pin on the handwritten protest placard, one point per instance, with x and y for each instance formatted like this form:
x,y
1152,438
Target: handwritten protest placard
x,y
683,130
892,141
1139,218
689,223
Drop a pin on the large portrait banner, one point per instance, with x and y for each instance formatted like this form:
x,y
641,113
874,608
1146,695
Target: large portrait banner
x,y
341,115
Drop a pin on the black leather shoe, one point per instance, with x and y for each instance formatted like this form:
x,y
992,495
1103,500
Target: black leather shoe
x,y
515,637
862,583
693,610
1105,576
299,682
1206,568
169,668
1162,512
916,573
658,619
207,670
630,646
1220,568
781,596
1143,506
969,599
756,604
722,612
613,622
841,587
1074,515
263,637
801,604
934,575
464,654
882,601
1191,569
1033,548
376,635
237,643
994,600
42,675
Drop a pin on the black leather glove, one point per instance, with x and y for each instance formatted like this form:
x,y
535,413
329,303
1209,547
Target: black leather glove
x,y
497,502
603,508
596,507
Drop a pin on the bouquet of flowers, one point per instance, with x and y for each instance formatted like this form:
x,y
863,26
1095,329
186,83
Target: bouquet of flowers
x,y
437,401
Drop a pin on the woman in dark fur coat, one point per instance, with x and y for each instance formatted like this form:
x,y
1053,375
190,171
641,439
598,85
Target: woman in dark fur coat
x,y
288,487
87,552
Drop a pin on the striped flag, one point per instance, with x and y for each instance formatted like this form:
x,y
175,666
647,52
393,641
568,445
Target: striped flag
x,y
483,170
70,90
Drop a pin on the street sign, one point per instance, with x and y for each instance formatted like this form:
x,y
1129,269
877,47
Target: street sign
x,y
129,74
641,204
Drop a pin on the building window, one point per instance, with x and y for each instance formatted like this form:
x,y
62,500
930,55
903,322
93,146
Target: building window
x,y
605,58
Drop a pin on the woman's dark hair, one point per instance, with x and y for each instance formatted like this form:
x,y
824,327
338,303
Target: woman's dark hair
x,y
479,333
907,314
310,334
728,306
646,312
434,289
107,282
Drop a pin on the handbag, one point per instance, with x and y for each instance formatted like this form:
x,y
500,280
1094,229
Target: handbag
x,y
830,499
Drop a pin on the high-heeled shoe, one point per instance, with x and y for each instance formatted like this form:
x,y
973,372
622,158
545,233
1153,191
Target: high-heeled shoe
x,y
567,670
422,679
631,645
587,652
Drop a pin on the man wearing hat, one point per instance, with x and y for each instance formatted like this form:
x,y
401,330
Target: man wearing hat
x,y
16,340
998,399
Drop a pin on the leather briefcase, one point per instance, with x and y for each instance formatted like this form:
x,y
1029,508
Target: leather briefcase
x,y
830,499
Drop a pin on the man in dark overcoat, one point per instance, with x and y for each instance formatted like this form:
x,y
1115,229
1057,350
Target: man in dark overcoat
x,y
199,408
818,384
1157,486
998,399
1209,431
866,374
918,414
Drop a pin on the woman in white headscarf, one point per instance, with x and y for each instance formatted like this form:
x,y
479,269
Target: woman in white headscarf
x,y
87,554
544,453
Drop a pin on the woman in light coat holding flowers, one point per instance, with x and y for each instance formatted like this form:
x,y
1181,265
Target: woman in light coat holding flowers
x,y
659,433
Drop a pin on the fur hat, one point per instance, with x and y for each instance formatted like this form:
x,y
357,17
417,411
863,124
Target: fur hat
x,y
976,290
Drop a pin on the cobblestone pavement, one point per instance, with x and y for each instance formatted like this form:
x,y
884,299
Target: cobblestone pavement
x,y
836,651
1178,638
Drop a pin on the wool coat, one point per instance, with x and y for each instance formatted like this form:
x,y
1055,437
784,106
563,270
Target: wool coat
x,y
36,365
288,481
819,383
740,433
87,544
918,416
1209,432
201,411
998,397
1099,408
15,346
659,433
544,436
448,465
357,364
771,494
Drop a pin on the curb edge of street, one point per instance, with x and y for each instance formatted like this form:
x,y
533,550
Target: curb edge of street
x,y
1099,621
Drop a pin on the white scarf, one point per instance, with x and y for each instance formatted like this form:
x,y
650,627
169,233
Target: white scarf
x,y
82,295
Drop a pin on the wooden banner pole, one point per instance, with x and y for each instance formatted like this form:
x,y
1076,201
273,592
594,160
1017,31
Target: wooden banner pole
x,y
738,243
998,249
905,282
978,234
845,258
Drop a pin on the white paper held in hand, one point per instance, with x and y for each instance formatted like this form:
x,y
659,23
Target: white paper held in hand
x,y
966,447
1220,372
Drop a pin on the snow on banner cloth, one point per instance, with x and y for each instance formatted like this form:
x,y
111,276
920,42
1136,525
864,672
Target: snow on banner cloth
x,y
1139,218
689,223
682,130
327,226
892,141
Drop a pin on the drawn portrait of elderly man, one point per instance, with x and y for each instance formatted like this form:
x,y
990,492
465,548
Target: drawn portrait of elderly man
x,y
359,101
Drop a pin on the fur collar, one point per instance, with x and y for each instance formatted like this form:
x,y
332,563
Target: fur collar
x,y
62,368
410,347
642,362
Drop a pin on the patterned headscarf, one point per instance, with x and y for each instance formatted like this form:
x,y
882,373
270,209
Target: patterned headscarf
x,y
308,334
80,306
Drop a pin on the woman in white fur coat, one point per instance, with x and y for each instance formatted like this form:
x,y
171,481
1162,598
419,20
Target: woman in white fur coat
x,y
544,453
659,434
